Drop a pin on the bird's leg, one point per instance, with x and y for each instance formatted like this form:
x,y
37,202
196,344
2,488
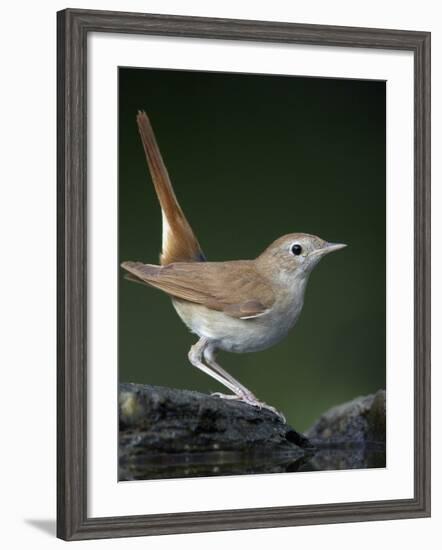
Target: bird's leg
x,y
195,357
203,349
241,392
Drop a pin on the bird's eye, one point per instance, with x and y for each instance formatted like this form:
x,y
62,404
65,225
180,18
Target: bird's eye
x,y
296,249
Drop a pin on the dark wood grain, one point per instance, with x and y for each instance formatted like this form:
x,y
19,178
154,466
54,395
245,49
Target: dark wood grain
x,y
73,27
71,281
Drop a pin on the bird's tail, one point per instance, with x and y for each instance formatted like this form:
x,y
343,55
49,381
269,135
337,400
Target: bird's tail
x,y
179,241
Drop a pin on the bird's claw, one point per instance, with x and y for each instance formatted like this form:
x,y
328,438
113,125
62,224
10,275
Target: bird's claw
x,y
262,405
226,396
250,401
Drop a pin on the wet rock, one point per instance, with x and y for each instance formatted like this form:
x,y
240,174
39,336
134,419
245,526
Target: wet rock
x,y
361,420
350,436
165,432
170,433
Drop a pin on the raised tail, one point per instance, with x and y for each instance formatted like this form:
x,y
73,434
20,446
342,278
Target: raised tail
x,y
179,242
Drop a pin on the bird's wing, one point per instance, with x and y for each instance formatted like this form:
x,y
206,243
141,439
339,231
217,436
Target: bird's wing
x,y
179,241
235,288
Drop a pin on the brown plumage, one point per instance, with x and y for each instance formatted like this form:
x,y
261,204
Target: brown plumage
x,y
235,288
179,241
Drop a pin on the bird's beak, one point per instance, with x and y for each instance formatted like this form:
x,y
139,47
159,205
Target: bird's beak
x,y
327,248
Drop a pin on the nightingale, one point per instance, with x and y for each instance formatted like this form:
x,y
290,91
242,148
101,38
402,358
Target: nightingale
x,y
238,306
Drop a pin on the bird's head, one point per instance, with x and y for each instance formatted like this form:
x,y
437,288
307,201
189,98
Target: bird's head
x,y
296,253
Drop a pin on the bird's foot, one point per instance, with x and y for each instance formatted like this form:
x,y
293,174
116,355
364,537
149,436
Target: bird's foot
x,y
262,405
250,401
230,396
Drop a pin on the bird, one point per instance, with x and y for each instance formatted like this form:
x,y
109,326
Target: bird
x,y
238,306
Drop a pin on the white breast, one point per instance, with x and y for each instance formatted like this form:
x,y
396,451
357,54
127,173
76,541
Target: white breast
x,y
243,335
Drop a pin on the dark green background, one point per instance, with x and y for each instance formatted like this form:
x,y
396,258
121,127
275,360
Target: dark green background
x,y
253,157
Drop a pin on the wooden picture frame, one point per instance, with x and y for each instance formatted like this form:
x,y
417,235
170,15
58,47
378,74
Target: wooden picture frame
x,y
73,28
